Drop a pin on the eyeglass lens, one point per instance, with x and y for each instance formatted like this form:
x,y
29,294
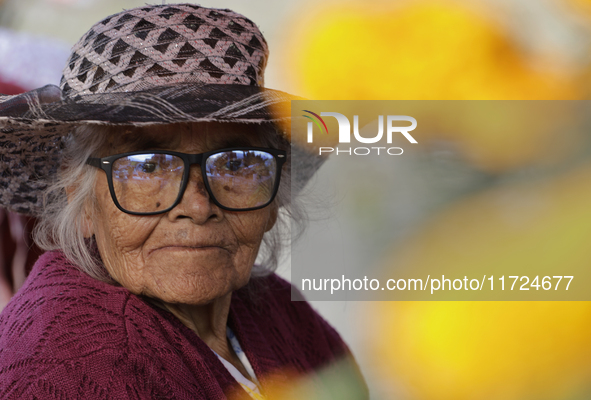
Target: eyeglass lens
x,y
151,182
241,179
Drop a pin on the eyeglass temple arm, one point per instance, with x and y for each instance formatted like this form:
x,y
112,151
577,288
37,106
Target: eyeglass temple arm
x,y
95,162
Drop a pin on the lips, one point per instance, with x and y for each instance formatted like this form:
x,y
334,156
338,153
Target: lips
x,y
196,248
194,245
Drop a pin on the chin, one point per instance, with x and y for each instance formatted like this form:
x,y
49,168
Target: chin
x,y
196,289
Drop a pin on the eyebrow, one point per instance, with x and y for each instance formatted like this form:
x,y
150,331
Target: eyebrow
x,y
144,141
241,141
153,143
147,142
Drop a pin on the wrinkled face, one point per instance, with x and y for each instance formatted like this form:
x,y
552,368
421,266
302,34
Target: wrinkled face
x,y
194,253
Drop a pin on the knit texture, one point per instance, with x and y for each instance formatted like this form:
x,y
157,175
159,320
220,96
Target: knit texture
x,y
67,336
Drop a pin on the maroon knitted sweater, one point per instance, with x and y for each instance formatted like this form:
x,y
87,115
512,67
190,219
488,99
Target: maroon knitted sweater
x,y
65,335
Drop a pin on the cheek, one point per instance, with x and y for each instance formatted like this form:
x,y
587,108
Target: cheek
x,y
119,236
123,228
249,229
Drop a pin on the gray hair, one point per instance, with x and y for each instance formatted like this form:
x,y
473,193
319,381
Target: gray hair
x,y
61,225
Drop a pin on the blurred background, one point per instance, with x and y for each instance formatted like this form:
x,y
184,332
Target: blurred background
x,y
509,197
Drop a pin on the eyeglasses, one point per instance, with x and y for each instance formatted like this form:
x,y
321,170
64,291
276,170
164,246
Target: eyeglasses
x,y
153,182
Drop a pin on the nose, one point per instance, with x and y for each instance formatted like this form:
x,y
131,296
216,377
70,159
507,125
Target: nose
x,y
196,203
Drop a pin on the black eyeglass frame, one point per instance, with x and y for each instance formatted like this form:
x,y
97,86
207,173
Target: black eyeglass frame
x,y
106,164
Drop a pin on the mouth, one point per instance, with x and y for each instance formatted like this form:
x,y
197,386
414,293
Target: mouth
x,y
195,248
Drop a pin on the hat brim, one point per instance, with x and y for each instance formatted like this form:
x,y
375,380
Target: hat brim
x,y
33,125
166,104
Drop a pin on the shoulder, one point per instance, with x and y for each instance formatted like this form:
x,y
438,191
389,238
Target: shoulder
x,y
273,289
279,306
55,296
58,297
304,342
273,286
276,323
64,330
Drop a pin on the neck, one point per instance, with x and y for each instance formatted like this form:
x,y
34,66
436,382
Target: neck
x,y
208,321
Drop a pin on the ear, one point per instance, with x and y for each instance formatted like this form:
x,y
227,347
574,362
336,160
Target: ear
x,y
274,211
86,222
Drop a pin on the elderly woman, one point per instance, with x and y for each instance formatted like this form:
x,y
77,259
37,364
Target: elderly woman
x,y
157,173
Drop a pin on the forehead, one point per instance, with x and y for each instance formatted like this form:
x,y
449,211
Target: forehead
x,y
187,138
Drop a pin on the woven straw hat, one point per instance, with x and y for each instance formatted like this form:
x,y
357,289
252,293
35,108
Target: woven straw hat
x,y
150,65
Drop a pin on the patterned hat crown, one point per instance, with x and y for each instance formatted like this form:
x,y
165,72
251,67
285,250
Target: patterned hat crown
x,y
163,45
156,64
